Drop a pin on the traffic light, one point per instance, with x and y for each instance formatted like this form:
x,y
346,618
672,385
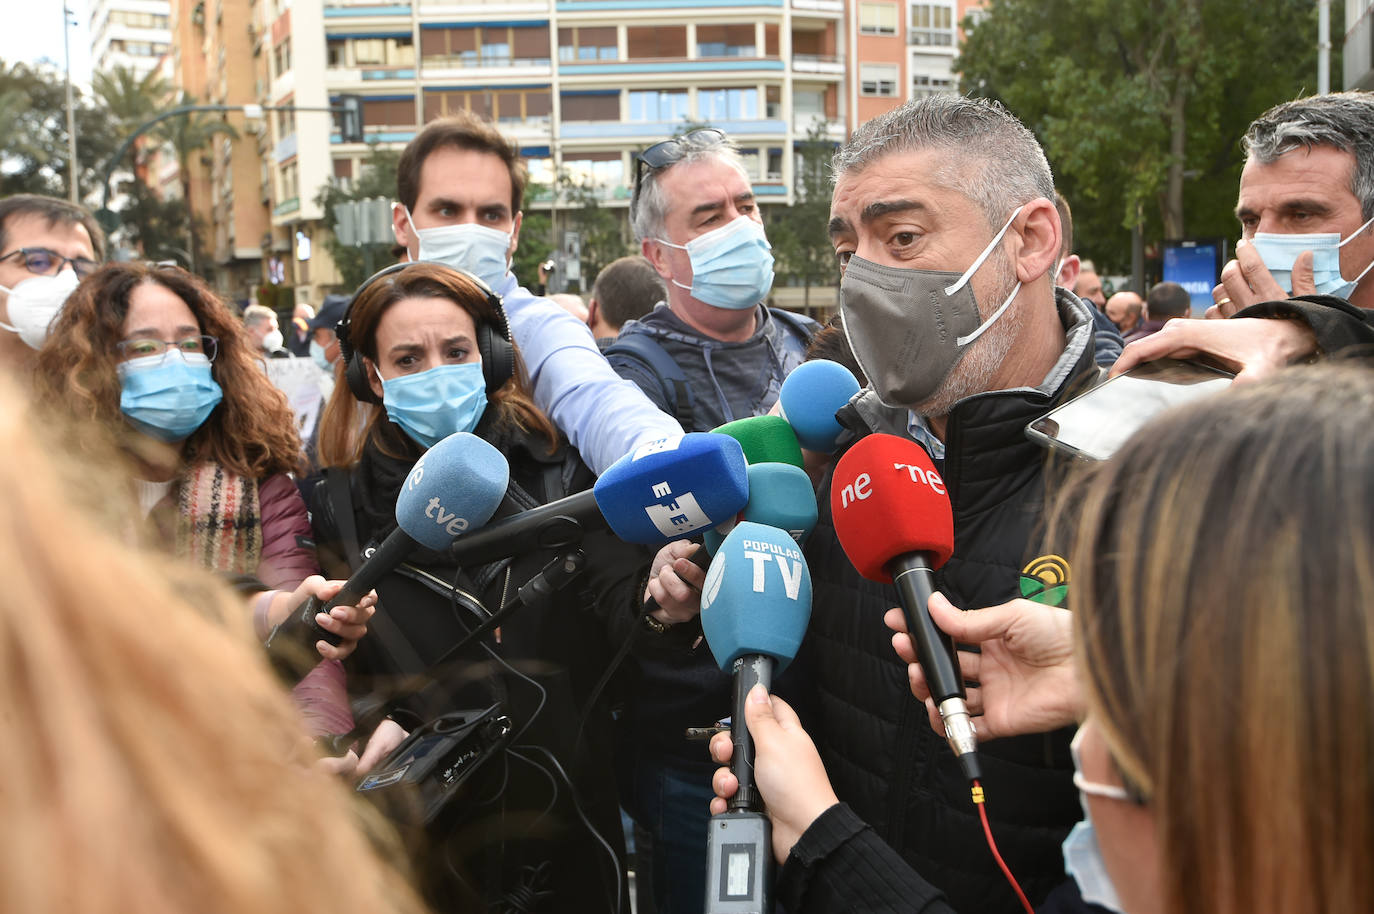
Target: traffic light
x,y
350,110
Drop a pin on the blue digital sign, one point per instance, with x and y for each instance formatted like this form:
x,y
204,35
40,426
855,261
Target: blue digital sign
x,y
1196,266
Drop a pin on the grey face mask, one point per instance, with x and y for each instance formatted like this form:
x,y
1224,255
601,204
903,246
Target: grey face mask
x,y
909,328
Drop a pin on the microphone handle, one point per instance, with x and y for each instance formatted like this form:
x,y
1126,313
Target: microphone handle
x,y
750,670
912,576
384,559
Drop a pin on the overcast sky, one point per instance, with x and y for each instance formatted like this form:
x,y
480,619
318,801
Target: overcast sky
x,y
33,32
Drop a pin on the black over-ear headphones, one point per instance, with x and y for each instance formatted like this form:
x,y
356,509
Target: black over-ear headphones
x,y
493,340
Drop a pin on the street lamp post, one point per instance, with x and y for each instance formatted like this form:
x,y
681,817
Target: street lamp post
x,y
73,192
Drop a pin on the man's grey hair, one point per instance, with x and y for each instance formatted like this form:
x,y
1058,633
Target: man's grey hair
x,y
257,314
990,156
649,208
1341,120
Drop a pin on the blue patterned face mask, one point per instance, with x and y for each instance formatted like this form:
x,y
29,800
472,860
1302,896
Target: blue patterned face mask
x,y
1082,855
732,266
170,395
430,405
1280,252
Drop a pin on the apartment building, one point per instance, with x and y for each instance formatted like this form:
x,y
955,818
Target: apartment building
x,y
130,33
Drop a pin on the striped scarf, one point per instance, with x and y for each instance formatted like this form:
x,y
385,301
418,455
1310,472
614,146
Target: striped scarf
x,y
219,520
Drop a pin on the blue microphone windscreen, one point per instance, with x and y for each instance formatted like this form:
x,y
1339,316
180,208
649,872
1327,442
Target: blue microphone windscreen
x,y
757,596
780,495
810,396
454,487
672,488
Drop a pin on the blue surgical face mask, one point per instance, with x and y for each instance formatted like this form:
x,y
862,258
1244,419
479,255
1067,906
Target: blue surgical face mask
x,y
431,405
732,266
1082,855
317,354
168,396
483,252
1280,252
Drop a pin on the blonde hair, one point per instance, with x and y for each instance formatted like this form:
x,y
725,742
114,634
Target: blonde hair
x,y
151,766
1224,615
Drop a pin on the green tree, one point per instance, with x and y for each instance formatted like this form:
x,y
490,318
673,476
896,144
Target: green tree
x,y
798,232
1140,104
377,179
34,149
186,134
157,228
536,235
603,230
129,98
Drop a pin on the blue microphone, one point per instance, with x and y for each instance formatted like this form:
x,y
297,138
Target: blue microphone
x,y
809,399
755,604
455,486
666,490
780,495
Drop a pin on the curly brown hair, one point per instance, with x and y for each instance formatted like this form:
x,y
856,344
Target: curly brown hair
x,y
252,432
348,424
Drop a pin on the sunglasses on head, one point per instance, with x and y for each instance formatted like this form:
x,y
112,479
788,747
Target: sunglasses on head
x,y
661,155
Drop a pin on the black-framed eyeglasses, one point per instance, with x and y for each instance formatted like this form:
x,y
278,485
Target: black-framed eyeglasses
x,y
661,155
44,262
207,346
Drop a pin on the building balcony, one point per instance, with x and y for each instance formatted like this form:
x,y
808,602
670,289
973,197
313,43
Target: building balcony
x,y
830,8
579,6
821,64
676,65
454,67
337,9
284,149
932,39
336,78
631,131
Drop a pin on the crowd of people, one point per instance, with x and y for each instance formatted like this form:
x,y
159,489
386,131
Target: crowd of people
x,y
1151,726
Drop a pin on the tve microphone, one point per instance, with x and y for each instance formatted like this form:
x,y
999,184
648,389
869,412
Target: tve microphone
x,y
663,491
454,487
893,518
780,495
755,603
810,397
765,439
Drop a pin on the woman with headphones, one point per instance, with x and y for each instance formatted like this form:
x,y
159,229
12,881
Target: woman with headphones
x,y
427,353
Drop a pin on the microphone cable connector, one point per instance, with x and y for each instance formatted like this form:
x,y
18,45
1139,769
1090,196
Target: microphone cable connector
x,y
962,738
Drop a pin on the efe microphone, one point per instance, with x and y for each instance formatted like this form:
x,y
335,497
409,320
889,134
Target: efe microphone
x,y
454,487
755,604
893,519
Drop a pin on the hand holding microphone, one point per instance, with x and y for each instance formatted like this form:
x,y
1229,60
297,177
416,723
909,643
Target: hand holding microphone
x,y
1024,674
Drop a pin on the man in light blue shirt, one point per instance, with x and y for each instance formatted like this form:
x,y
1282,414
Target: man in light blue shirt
x,y
459,189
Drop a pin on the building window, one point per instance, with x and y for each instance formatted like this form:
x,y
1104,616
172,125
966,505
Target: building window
x,y
657,105
726,41
656,42
878,79
507,106
590,106
602,171
499,46
878,18
808,104
394,51
281,57
772,102
581,44
932,25
728,104
774,172
923,84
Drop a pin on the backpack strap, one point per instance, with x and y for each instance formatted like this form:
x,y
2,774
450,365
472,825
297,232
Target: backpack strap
x,y
643,348
802,327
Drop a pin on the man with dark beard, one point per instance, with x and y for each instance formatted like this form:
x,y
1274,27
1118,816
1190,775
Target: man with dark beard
x,y
944,223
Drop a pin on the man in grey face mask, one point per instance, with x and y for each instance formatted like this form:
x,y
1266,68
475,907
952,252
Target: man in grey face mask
x,y
46,246
944,223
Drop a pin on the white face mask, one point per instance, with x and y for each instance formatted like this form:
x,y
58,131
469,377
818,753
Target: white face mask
x,y
483,252
1082,855
34,303
272,341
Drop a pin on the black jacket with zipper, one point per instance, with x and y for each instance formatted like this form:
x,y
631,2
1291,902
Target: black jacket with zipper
x,y
875,738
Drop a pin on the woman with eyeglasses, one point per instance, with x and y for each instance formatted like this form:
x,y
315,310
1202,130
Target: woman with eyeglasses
x,y
1218,653
151,365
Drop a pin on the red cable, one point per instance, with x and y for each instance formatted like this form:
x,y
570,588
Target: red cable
x,y
992,845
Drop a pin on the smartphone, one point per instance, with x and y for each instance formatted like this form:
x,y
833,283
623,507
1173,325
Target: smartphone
x,y
1093,425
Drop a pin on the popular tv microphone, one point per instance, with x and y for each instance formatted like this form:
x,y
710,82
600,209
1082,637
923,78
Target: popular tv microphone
x,y
755,604
893,519
666,490
765,439
780,495
454,487
811,395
